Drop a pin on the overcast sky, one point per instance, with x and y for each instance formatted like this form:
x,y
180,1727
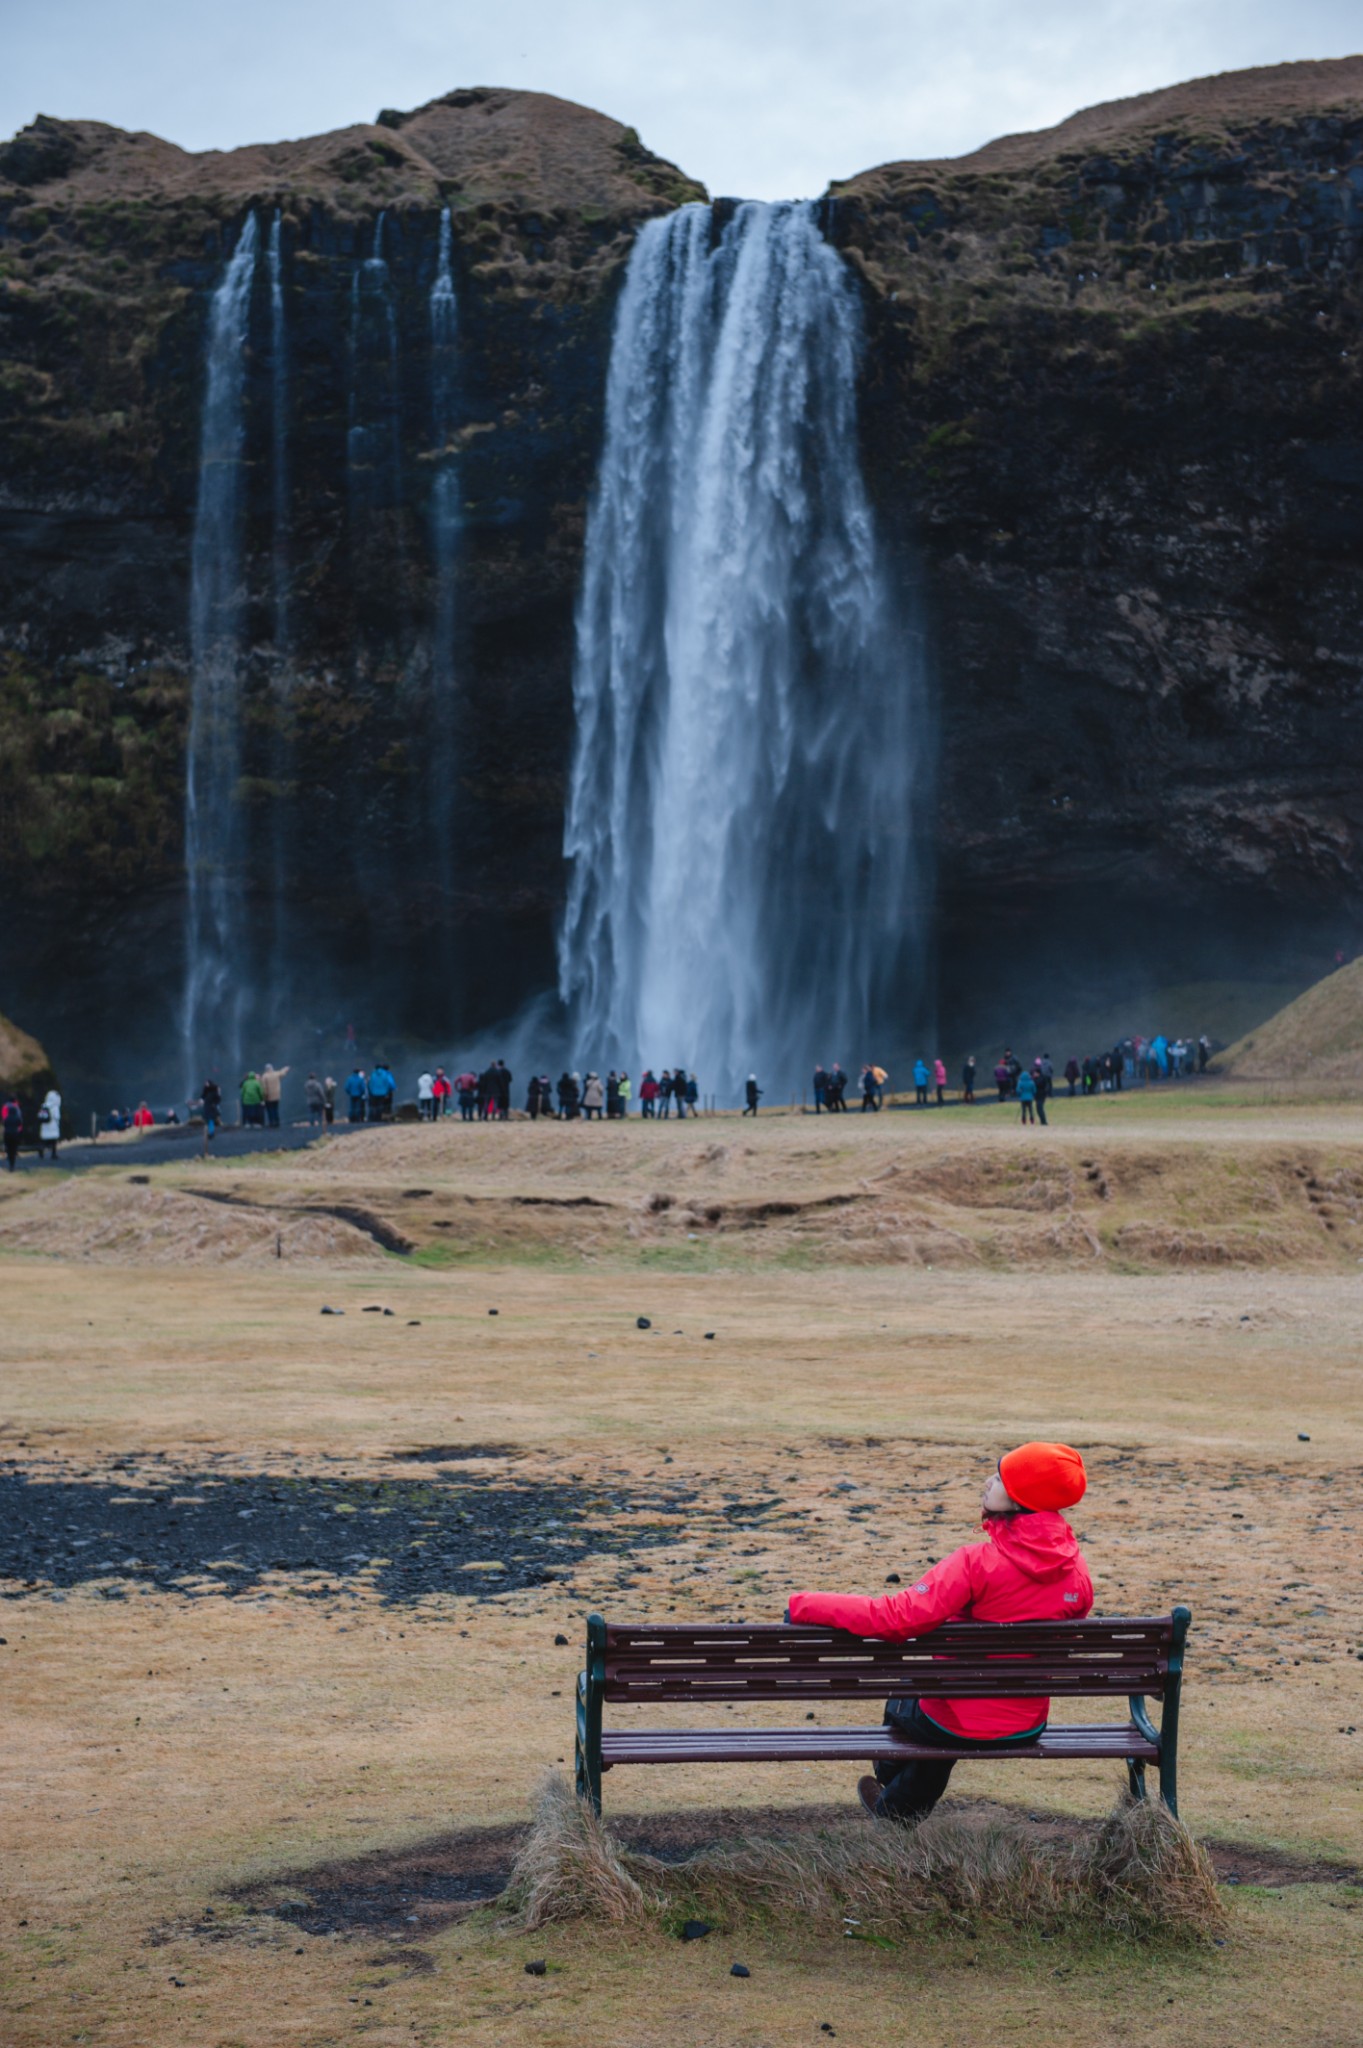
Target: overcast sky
x,y
764,98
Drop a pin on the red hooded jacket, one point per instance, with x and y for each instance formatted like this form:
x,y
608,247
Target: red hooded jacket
x,y
1027,1569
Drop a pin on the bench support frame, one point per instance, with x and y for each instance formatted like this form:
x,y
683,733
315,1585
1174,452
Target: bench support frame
x,y
591,1693
588,1766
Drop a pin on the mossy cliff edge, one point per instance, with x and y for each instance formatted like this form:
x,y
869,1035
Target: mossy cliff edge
x,y
1112,415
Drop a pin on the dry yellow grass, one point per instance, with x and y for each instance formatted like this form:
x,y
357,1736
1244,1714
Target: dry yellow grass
x,y
161,1751
23,1063
1137,1183
1319,1036
1137,1872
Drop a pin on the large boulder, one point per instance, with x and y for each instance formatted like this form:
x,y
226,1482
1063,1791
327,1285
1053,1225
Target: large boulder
x,y
25,1069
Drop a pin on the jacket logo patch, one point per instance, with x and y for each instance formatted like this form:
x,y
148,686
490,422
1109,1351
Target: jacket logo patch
x,y
1071,1596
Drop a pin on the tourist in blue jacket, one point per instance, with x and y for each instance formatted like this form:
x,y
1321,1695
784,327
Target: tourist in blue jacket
x,y
382,1088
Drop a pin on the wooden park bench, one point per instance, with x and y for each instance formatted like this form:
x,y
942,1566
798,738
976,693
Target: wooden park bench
x,y
806,1667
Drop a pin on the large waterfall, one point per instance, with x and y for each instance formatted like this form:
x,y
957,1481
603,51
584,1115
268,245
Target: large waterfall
x,y
740,819
214,993
444,548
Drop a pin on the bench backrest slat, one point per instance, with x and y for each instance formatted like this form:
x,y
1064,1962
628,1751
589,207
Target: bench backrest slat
x,y
964,1660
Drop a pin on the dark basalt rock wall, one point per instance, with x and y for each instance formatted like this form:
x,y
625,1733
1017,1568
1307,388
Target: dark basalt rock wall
x,y
110,249
1115,393
1112,420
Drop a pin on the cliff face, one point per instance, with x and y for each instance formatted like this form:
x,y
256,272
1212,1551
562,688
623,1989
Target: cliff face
x,y
110,248
1112,416
1114,397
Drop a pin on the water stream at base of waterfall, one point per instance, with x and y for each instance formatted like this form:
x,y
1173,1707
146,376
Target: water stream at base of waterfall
x,y
740,819
214,939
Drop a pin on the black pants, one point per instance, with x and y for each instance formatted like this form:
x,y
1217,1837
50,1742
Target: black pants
x,y
912,1790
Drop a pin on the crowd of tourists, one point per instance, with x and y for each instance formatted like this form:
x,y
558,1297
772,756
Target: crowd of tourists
x,y
370,1095
830,1088
575,1096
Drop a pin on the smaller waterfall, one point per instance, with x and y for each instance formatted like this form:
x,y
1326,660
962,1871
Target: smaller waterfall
x,y
374,443
281,731
279,443
376,517
215,960
444,547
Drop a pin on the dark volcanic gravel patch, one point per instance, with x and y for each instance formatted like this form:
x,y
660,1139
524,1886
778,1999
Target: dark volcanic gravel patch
x,y
416,1891
212,1532
456,1454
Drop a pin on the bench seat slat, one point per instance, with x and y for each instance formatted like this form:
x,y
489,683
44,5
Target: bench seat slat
x,y
930,1680
853,1745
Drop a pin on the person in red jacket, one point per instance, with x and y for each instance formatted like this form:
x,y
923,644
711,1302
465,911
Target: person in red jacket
x,y
1027,1569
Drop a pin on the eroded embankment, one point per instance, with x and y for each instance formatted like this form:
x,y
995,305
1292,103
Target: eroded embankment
x,y
1133,1200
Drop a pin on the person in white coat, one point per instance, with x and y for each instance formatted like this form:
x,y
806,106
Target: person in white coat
x,y
50,1124
425,1098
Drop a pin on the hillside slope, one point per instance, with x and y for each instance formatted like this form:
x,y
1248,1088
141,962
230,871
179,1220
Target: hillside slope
x,y
1319,1036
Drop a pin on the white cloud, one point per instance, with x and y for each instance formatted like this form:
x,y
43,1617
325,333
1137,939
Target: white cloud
x,y
751,96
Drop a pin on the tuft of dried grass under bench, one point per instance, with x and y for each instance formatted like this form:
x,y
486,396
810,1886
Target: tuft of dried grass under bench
x,y
1136,1873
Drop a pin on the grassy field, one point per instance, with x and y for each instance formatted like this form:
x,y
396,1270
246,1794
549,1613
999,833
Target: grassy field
x,y
280,1649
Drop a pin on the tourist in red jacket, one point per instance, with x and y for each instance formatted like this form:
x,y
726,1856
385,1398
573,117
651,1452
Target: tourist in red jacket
x,y
1027,1569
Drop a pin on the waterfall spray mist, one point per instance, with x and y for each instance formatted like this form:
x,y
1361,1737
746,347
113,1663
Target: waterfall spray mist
x,y
214,952
740,818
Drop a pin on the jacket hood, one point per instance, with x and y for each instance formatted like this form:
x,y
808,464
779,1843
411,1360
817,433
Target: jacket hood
x,y
1042,1545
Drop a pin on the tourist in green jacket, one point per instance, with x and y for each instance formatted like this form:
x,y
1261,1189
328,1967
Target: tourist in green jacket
x,y
252,1099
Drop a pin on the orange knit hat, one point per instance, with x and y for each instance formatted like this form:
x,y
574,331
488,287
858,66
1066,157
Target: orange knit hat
x,y
1043,1475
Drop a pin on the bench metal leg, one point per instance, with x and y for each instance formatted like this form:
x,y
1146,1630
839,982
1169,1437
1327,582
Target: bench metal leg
x,y
1135,1777
591,1685
1168,1733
